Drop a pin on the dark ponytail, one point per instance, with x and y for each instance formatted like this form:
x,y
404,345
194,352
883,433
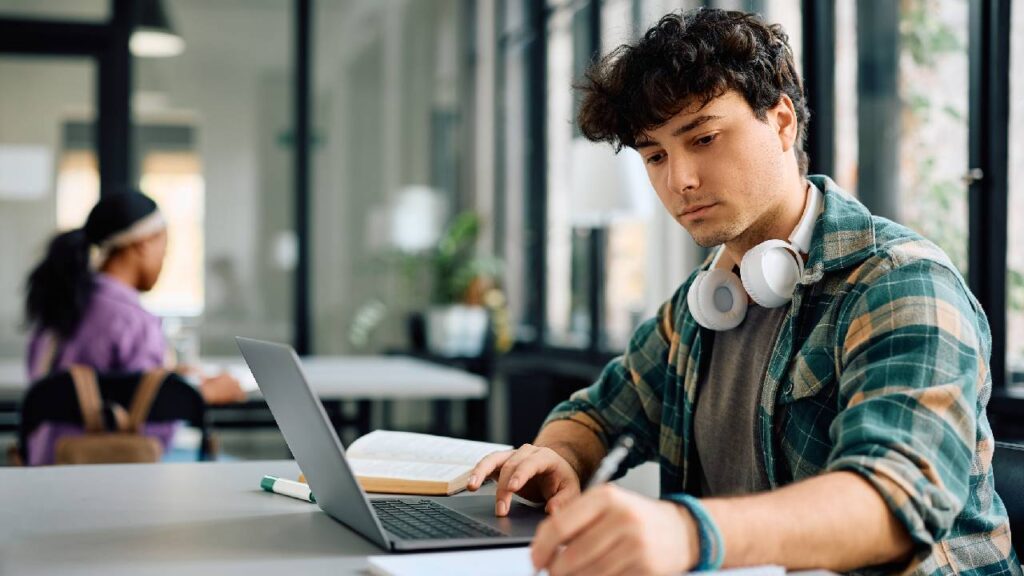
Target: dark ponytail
x,y
60,287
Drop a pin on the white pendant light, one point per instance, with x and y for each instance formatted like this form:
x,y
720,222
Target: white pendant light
x,y
153,36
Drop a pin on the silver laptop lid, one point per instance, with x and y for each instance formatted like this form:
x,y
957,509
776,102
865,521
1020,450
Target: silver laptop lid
x,y
311,436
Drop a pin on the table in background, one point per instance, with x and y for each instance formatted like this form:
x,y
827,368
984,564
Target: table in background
x,y
335,379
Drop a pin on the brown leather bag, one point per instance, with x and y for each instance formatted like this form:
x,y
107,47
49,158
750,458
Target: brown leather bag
x,y
101,446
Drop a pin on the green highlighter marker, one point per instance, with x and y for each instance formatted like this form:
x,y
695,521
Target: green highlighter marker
x,y
287,488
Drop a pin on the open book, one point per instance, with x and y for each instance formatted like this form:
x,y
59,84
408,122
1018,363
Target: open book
x,y
410,463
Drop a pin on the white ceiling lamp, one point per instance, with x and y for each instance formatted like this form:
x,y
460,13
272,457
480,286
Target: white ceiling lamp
x,y
153,36
606,185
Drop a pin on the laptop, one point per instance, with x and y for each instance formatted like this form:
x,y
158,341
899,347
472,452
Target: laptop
x,y
395,524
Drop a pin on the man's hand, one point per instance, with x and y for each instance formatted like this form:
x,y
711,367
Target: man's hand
x,y
609,531
535,473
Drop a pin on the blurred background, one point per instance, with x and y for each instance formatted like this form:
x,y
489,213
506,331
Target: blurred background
x,y
346,175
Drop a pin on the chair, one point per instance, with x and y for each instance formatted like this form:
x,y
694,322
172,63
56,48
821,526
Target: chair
x,y
1008,469
53,399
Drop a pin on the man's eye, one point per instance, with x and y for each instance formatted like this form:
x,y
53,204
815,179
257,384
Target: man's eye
x,y
655,158
705,140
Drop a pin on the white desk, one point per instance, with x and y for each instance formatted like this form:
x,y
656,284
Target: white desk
x,y
332,377
209,518
335,379
370,378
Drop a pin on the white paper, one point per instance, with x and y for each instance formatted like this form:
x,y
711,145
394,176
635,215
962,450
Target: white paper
x,y
752,571
496,562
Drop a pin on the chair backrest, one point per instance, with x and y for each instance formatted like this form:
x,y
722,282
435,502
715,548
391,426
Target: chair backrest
x,y
1008,469
54,399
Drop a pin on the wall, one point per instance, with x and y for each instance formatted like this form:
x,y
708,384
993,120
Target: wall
x,y
38,94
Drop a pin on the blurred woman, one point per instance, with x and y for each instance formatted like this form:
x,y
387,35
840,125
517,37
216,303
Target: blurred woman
x,y
83,305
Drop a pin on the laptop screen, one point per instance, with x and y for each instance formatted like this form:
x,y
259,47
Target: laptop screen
x,y
310,436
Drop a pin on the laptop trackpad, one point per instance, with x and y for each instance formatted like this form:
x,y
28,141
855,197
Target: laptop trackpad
x,y
522,520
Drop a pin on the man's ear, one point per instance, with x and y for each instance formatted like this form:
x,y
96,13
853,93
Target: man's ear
x,y
784,115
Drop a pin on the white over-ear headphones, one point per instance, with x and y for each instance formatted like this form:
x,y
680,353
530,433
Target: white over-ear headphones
x,y
770,271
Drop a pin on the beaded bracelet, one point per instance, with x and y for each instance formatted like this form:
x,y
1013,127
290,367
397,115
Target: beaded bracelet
x,y
712,547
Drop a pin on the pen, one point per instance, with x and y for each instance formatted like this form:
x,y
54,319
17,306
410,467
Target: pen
x,y
287,487
610,463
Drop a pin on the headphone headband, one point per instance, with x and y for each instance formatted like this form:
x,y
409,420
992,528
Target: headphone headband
x,y
801,236
770,272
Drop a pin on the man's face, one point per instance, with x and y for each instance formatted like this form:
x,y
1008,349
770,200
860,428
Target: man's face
x,y
719,170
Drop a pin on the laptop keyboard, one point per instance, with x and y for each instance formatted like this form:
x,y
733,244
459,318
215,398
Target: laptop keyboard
x,y
428,520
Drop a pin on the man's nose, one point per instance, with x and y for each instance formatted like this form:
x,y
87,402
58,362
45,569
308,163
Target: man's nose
x,y
682,175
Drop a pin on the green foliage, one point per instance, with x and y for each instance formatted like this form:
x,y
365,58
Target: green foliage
x,y
1015,296
453,264
925,37
1015,289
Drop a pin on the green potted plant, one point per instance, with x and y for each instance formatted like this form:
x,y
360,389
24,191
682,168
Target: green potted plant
x,y
456,320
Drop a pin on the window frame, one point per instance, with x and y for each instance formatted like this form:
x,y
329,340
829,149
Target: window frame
x,y
107,44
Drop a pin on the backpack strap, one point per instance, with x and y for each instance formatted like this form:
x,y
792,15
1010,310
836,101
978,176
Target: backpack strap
x,y
46,362
145,393
88,392
120,417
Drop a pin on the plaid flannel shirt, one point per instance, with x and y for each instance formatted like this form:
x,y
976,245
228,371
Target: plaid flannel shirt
x,y
880,368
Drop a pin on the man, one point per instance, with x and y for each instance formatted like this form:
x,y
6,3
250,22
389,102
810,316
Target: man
x,y
844,429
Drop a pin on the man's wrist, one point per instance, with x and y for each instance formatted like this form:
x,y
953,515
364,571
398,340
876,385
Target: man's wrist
x,y
710,544
565,450
691,535
576,442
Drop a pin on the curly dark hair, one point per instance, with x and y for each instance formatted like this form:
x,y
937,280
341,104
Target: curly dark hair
x,y
690,57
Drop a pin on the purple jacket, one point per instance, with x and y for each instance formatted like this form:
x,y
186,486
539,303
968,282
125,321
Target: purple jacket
x,y
116,334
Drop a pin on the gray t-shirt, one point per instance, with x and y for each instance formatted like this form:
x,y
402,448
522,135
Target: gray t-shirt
x,y
725,422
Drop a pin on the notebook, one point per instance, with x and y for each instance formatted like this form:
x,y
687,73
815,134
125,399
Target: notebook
x,y
411,463
498,562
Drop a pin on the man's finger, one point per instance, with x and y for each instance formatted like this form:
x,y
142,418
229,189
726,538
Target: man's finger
x,y
558,529
565,494
537,462
486,466
617,560
583,554
502,495
511,469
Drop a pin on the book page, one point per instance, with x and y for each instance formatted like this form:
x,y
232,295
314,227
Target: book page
x,y
402,470
410,446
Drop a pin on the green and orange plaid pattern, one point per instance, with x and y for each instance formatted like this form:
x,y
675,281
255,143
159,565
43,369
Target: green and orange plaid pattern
x,y
880,368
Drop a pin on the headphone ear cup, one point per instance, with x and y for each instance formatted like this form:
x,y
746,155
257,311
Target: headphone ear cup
x,y
718,302
691,299
770,272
